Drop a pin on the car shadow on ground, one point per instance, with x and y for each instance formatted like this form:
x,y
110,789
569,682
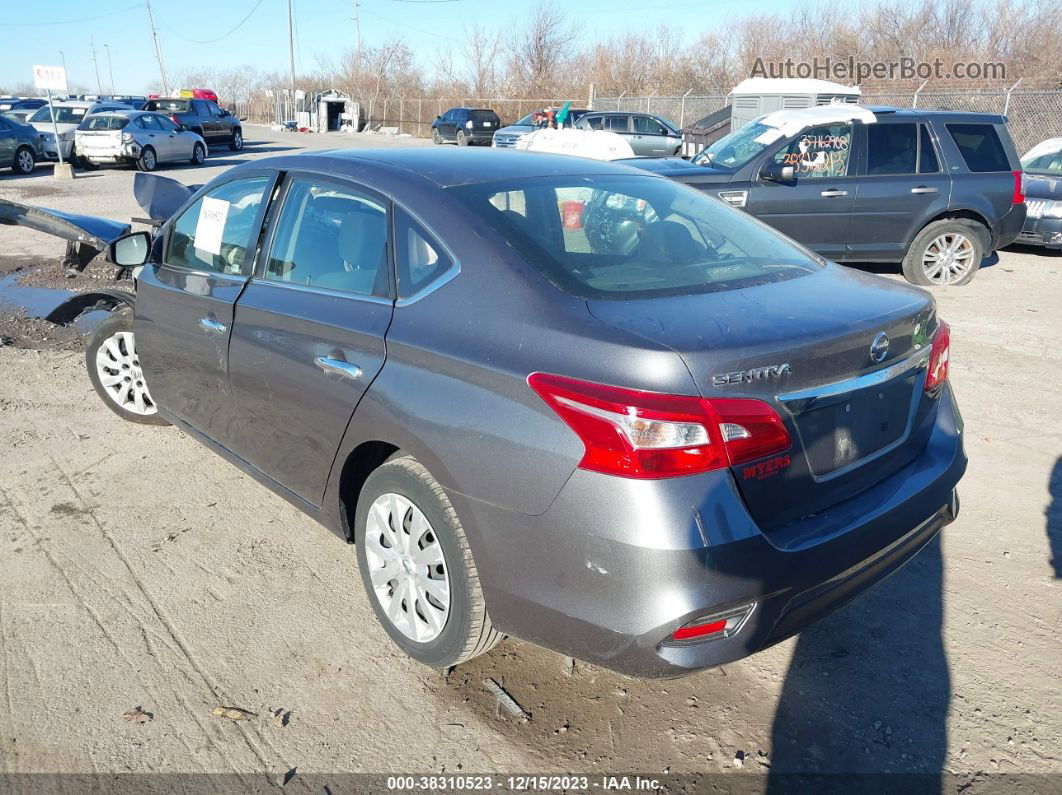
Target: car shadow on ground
x,y
867,691
1054,519
894,269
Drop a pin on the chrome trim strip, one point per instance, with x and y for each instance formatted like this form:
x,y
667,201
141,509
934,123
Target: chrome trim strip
x,y
328,291
913,362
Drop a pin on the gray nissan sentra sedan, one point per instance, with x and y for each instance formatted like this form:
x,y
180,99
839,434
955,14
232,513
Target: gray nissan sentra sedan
x,y
547,397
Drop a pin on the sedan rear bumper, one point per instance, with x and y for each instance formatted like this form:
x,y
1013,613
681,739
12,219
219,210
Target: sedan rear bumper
x,y
1046,232
615,566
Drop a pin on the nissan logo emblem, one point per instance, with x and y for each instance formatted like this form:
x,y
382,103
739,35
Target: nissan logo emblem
x,y
879,348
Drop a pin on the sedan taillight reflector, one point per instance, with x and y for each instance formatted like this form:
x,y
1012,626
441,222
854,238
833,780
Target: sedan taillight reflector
x,y
639,434
939,358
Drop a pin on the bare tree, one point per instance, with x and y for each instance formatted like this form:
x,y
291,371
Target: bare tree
x,y
481,49
538,51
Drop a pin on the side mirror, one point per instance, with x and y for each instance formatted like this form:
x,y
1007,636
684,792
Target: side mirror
x,y
438,118
225,113
130,250
776,172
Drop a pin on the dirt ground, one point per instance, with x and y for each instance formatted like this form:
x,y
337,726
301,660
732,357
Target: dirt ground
x,y
140,570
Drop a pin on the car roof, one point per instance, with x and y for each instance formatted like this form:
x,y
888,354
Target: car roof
x,y
447,167
943,114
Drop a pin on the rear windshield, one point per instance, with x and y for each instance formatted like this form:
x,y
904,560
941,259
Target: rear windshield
x,y
980,147
171,105
482,115
630,237
103,122
63,115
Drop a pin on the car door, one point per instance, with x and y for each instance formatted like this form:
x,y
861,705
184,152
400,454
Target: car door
x,y
619,123
902,186
206,122
149,133
8,143
448,126
649,137
815,207
308,336
179,141
185,297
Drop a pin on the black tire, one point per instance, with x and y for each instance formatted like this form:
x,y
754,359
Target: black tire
x,y
148,160
236,142
468,631
87,165
461,139
24,161
198,154
435,137
119,322
916,272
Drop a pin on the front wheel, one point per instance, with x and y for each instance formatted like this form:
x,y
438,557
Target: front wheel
x,y
198,154
435,137
24,161
417,568
946,253
114,370
147,161
236,144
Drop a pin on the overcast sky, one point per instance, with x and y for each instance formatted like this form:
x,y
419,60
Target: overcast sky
x,y
34,33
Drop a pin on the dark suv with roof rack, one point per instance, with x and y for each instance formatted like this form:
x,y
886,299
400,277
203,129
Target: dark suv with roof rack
x,y
934,190
465,126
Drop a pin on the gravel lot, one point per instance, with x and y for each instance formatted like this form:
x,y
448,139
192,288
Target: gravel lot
x,y
140,570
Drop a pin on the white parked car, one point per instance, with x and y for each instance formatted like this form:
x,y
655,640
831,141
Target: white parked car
x,y
68,115
137,137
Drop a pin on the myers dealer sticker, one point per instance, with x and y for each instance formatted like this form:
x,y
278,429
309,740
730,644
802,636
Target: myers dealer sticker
x,y
211,224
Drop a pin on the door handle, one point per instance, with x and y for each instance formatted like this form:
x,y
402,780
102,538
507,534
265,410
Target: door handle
x,y
829,194
212,326
923,189
338,367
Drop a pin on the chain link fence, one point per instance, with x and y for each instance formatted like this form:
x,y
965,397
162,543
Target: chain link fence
x,y
1033,115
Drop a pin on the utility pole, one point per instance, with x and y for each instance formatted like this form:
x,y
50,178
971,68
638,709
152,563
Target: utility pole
x,y
99,86
110,68
291,56
158,49
357,25
63,56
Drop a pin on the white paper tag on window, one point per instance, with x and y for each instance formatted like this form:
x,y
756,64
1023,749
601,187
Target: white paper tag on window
x,y
211,224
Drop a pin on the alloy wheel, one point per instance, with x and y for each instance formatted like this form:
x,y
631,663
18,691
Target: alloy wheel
x,y
407,567
198,154
25,161
118,368
948,258
149,160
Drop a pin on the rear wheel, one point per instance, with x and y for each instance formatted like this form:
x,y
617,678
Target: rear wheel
x,y
198,154
24,161
147,161
946,253
236,144
114,370
461,139
417,568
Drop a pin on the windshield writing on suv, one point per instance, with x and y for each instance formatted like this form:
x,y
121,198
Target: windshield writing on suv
x,y
633,237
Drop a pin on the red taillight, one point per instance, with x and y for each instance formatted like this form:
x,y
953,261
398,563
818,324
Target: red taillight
x,y
724,624
939,356
699,630
638,434
174,119
1019,188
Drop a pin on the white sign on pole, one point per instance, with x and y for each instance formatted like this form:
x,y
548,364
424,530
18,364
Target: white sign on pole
x,y
50,78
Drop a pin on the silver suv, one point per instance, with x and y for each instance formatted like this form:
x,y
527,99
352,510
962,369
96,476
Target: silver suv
x,y
648,135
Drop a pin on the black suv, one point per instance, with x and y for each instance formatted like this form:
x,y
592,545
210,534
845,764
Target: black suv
x,y
202,116
465,126
933,190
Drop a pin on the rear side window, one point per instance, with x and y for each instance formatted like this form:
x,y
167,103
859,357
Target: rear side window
x,y
214,233
419,257
980,147
892,148
616,123
330,237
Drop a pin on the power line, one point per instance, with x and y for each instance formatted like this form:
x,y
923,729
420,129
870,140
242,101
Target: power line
x,y
232,30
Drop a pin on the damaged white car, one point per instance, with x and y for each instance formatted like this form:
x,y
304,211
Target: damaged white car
x,y
139,138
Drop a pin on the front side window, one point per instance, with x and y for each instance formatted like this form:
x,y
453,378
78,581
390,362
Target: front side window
x,y
647,126
147,122
980,147
215,232
330,237
628,237
818,152
164,123
892,149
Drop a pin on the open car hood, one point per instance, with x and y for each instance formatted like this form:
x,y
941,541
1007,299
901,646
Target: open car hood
x,y
160,197
90,231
